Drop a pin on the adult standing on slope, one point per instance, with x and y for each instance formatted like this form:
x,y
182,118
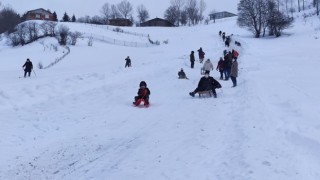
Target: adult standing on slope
x,y
234,72
192,59
128,62
201,54
27,67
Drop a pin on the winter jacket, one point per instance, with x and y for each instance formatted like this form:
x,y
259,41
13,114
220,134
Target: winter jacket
x,y
208,83
192,58
201,53
143,92
207,66
234,69
235,54
28,66
220,65
181,74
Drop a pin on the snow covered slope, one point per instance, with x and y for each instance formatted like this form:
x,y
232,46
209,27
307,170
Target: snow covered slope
x,y
75,120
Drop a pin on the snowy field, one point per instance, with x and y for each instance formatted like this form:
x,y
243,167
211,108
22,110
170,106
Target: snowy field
x,y
75,120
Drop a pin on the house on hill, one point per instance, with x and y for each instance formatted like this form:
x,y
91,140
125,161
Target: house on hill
x,y
39,14
120,22
220,15
157,22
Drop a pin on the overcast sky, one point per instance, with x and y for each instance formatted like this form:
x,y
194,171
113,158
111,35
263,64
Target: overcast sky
x,y
81,8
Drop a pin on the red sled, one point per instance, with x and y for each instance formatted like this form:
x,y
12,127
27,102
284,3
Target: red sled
x,y
139,101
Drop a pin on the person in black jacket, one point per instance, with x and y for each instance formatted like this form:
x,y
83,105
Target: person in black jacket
x,y
143,94
128,62
182,74
207,83
27,67
192,59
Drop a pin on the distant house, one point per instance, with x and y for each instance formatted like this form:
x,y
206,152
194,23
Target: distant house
x,y
220,15
39,14
157,22
120,22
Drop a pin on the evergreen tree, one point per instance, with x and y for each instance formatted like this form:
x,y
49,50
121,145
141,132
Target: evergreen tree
x,y
66,18
55,18
73,19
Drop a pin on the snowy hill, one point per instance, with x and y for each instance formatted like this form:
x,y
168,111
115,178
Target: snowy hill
x,y
75,120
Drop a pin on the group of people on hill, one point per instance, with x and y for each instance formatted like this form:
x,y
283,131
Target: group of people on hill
x,y
227,66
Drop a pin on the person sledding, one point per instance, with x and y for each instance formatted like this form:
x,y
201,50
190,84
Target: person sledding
x,y
143,94
182,74
207,83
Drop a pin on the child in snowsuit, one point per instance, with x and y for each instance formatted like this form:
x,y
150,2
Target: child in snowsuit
x,y
143,94
207,66
27,67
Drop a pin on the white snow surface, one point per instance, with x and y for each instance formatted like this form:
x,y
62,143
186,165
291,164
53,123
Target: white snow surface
x,y
76,121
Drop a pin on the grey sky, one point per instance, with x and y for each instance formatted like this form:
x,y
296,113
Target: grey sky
x,y
80,8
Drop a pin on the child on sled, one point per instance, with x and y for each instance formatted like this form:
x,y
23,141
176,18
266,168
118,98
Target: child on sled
x,y
143,94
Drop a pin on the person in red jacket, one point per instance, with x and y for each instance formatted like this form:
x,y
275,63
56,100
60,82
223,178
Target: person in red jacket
x,y
143,94
235,54
220,67
201,54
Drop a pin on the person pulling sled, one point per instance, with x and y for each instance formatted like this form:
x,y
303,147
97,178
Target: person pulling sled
x,y
143,95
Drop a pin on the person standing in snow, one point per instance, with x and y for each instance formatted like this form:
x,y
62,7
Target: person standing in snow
x,y
27,67
201,54
192,59
128,62
143,94
207,83
227,65
235,54
207,66
220,67
234,72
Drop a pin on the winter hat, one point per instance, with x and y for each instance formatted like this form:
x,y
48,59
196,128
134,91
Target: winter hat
x,y
206,73
143,83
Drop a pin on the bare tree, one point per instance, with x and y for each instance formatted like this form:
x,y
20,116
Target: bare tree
x,y
19,36
192,11
125,8
114,12
63,34
45,28
143,13
178,5
106,11
171,14
74,36
52,26
250,16
202,8
317,5
184,18
33,30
